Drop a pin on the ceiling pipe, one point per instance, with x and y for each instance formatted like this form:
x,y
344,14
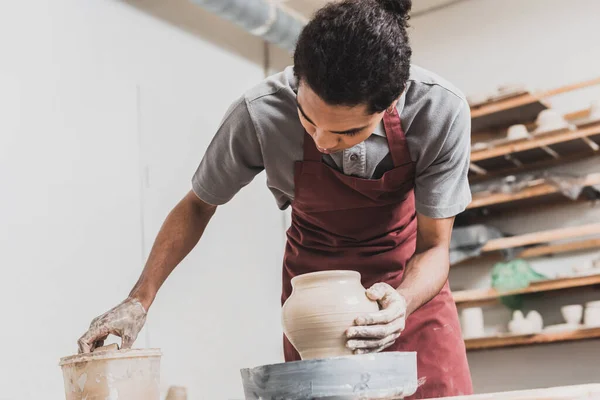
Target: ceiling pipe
x,y
263,18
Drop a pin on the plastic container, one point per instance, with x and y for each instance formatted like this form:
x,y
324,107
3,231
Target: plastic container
x,y
113,375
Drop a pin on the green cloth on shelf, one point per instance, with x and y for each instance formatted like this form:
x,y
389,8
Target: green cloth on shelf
x,y
513,275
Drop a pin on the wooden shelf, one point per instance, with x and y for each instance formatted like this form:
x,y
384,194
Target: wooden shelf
x,y
519,109
478,297
541,237
540,251
487,199
535,143
509,168
502,341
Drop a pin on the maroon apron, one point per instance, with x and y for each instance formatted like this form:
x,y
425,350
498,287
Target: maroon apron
x,y
369,226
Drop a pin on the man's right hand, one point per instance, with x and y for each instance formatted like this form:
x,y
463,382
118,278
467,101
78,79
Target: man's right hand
x,y
125,320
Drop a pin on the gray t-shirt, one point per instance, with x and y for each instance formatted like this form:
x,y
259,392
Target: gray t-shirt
x,y
261,131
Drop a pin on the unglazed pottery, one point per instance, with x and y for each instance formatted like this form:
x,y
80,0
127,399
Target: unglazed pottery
x,y
550,120
121,374
591,316
516,132
472,322
521,325
323,305
572,313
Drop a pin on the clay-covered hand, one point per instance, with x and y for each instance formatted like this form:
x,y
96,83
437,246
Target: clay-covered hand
x,y
374,332
125,320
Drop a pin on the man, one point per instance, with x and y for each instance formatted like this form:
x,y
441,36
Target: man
x,y
372,154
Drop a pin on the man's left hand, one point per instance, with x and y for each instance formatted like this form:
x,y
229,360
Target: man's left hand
x,y
374,332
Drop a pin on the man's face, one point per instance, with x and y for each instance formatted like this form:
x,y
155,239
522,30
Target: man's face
x,y
334,128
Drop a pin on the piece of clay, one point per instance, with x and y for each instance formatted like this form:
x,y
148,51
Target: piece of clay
x,y
323,305
177,393
109,347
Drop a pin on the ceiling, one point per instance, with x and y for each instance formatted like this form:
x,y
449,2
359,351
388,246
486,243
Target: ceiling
x,y
307,7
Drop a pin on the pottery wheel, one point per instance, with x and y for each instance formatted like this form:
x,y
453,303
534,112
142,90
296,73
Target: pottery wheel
x,y
391,375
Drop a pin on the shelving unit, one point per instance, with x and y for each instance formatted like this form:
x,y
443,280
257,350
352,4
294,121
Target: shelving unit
x,y
479,297
502,341
502,158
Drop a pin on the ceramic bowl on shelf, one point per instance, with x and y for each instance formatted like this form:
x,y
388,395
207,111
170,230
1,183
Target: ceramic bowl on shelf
x,y
591,316
593,304
472,322
517,132
550,120
479,146
572,313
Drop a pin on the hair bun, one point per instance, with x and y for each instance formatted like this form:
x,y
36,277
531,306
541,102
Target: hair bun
x,y
400,7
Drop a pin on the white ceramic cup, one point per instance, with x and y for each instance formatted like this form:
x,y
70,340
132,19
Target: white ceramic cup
x,y
517,132
549,120
593,304
591,317
472,322
572,313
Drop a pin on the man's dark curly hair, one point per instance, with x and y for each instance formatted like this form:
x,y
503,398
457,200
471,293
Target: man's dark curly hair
x,y
356,52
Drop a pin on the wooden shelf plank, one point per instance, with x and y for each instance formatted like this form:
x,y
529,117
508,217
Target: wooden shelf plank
x,y
468,298
525,99
541,237
502,341
534,143
486,199
540,251
536,166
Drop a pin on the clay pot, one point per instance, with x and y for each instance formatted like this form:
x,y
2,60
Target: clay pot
x,y
323,305
121,374
176,393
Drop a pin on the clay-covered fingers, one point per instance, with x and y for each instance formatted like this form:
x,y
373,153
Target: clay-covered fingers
x,y
392,303
372,350
372,344
376,331
125,320
92,339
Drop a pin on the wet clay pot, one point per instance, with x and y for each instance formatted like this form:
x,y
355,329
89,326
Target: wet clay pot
x,y
323,305
113,375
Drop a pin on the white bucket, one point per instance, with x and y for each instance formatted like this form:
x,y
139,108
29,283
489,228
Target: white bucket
x,y
113,375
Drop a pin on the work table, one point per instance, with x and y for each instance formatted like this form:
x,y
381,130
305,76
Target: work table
x,y
579,392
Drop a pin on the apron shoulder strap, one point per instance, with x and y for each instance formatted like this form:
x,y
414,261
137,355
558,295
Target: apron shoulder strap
x,y
310,149
396,138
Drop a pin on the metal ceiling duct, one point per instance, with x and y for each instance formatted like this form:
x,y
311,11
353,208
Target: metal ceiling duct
x,y
262,18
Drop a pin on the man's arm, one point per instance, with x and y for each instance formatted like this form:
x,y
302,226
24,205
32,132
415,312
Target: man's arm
x,y
231,161
427,271
178,235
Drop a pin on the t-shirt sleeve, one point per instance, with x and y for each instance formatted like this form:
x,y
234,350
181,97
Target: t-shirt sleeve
x,y
442,188
232,159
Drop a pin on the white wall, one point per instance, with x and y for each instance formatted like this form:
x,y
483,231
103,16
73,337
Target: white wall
x,y
105,114
478,45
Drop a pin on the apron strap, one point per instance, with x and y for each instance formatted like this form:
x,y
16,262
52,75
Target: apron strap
x,y
310,149
396,138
